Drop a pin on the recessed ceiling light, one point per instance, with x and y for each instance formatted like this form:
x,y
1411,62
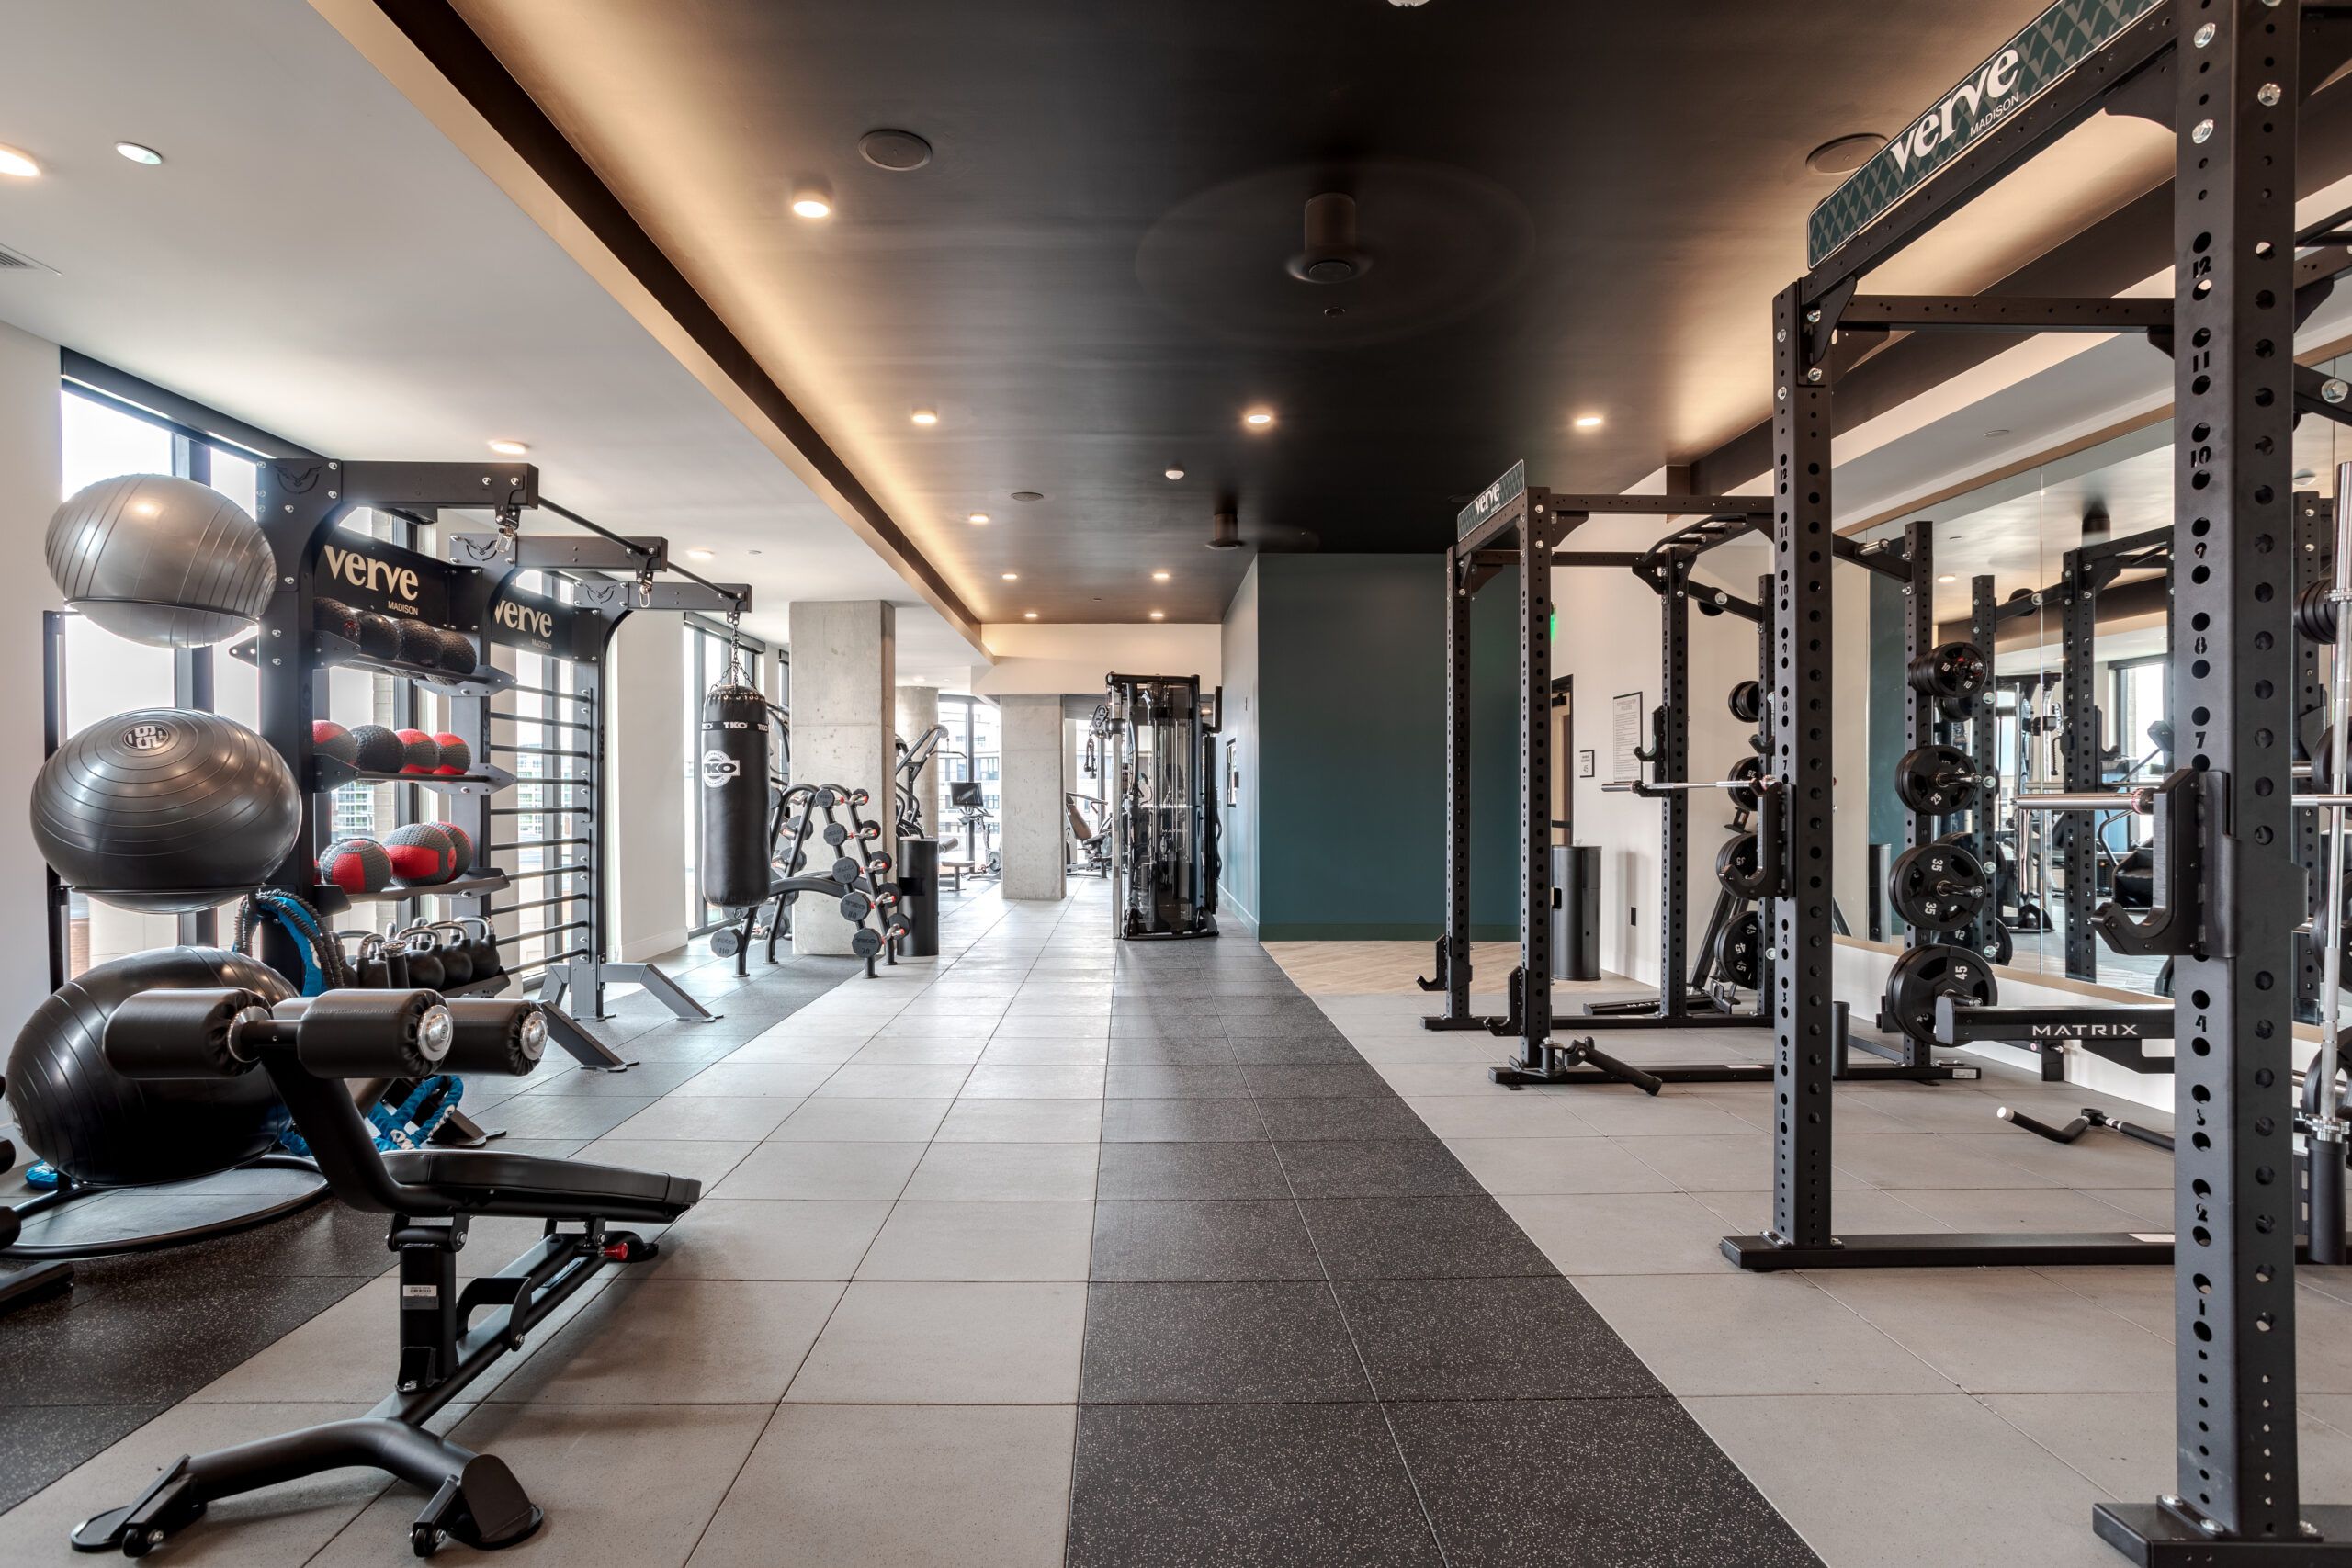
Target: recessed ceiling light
x,y
1160,615
1160,577
1587,422
139,152
1028,614
1994,435
812,201
1258,418
18,163
1948,577
1012,577
978,517
924,416
1175,473
698,555
1845,154
509,448
1028,495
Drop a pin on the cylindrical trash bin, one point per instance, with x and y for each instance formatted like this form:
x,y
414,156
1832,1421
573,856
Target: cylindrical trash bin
x,y
919,896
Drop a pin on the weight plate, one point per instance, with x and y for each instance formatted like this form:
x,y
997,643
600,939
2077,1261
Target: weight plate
x,y
1955,673
2000,947
1739,950
1736,861
1936,780
1935,970
1747,702
1747,768
1937,886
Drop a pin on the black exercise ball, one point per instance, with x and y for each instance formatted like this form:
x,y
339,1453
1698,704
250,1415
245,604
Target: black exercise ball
x,y
161,560
166,810
98,1127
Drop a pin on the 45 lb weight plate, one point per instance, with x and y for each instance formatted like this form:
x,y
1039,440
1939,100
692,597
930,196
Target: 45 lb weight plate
x,y
1925,974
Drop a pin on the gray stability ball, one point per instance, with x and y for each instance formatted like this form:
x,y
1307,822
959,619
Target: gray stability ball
x,y
166,810
160,560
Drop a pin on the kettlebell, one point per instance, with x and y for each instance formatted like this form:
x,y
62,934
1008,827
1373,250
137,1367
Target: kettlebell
x,y
424,963
484,947
456,958
367,963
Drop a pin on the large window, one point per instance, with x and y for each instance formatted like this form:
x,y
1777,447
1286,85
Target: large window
x,y
101,674
970,750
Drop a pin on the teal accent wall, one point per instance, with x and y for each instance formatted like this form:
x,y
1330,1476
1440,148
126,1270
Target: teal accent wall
x,y
1351,749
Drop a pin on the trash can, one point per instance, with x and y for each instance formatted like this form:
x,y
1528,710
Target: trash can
x,y
919,896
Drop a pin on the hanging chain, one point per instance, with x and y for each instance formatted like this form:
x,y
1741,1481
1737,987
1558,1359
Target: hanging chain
x,y
735,675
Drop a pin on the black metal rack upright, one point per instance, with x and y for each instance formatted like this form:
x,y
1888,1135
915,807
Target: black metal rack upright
x,y
2217,73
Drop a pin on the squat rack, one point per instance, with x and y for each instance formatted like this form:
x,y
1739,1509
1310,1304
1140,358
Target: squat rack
x,y
2214,71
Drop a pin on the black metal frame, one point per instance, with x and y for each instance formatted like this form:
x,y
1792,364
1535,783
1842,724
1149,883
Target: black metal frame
x,y
2218,72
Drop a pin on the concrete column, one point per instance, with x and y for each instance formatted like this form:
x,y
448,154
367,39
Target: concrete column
x,y
31,468
1031,832
918,711
844,677
645,749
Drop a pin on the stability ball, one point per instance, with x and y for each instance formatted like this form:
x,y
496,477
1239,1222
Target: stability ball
x,y
166,810
161,560
97,1126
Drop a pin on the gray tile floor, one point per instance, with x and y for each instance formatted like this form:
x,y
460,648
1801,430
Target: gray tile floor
x,y
1937,1416
1063,1250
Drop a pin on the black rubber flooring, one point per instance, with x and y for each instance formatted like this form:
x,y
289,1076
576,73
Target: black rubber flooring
x,y
1312,1338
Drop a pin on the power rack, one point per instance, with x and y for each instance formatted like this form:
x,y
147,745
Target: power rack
x,y
2227,77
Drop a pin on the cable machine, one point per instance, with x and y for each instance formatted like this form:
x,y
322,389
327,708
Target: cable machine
x,y
1162,750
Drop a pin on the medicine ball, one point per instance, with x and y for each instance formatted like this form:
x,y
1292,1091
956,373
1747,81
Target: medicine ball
x,y
336,618
97,1126
422,854
419,644
357,865
456,755
376,750
379,635
420,753
457,655
161,560
329,739
462,844
166,810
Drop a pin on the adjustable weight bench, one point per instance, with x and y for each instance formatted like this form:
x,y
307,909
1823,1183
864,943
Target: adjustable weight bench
x,y
308,1046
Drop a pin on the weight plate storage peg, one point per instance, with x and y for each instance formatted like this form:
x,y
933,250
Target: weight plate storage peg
x,y
1936,780
1739,950
1937,886
1926,973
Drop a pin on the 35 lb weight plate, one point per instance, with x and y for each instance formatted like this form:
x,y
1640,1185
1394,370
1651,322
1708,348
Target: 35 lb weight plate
x,y
1925,974
1736,861
1937,886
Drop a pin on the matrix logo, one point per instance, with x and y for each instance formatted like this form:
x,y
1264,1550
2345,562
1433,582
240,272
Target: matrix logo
x,y
359,570
518,616
148,736
2086,1031
719,768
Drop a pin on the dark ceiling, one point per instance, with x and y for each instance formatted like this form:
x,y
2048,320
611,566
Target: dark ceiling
x,y
1570,209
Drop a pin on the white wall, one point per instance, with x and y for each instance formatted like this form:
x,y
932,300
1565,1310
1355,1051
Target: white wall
x,y
1039,659
645,749
31,471
1238,888
1611,641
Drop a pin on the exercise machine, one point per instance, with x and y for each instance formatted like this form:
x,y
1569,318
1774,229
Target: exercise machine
x,y
1164,825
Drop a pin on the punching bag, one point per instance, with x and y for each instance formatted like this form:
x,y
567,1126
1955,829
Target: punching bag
x,y
734,796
